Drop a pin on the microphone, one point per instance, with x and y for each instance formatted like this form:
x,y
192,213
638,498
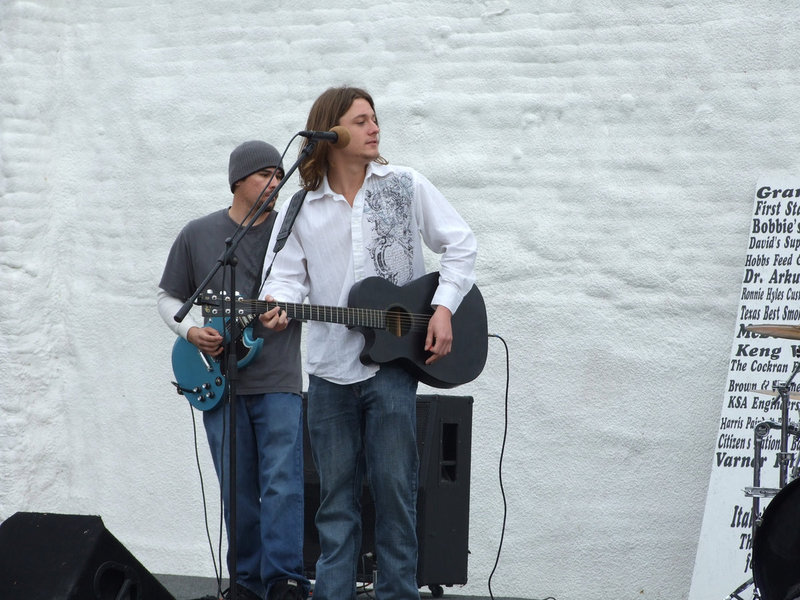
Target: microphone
x,y
338,136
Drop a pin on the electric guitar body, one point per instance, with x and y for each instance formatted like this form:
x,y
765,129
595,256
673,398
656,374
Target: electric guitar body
x,y
200,376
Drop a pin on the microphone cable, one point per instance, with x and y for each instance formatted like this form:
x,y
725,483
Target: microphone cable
x,y
217,570
500,467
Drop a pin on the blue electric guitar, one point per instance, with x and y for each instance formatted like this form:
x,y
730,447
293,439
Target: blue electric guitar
x,y
199,376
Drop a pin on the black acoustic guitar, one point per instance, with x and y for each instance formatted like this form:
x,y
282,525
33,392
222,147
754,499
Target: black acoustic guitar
x,y
394,322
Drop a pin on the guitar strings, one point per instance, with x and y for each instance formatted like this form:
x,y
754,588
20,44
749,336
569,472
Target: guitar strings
x,y
410,321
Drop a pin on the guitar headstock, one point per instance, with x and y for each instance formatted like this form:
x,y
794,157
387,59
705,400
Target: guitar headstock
x,y
218,304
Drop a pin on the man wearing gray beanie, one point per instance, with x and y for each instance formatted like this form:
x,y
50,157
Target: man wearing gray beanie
x,y
250,157
269,422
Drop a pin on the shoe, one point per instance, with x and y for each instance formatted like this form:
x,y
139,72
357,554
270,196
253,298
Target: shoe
x,y
242,593
286,589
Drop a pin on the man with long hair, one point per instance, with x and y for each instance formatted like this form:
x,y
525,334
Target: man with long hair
x,y
363,217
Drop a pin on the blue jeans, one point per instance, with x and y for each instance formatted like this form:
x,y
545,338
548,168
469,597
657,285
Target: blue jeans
x,y
269,486
366,428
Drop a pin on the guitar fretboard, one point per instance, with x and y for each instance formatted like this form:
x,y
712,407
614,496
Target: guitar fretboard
x,y
353,317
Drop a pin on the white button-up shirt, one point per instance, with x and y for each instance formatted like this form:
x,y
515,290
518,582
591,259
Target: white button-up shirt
x,y
333,245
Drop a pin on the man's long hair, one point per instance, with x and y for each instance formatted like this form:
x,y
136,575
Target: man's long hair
x,y
325,114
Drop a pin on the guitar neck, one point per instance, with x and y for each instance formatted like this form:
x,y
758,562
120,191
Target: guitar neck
x,y
352,317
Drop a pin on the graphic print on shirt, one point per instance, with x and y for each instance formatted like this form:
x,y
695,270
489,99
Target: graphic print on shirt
x,y
387,206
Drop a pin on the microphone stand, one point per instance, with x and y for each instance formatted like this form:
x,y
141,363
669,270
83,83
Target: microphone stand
x,y
228,257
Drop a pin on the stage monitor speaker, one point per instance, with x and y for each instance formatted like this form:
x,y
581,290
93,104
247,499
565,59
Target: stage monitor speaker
x,y
444,437
47,556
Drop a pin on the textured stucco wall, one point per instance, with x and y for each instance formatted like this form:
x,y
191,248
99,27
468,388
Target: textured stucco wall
x,y
605,152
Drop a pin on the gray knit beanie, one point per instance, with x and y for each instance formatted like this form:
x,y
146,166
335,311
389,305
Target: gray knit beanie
x,y
252,156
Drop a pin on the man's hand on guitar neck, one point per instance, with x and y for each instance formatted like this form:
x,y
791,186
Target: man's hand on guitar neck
x,y
439,340
275,318
207,339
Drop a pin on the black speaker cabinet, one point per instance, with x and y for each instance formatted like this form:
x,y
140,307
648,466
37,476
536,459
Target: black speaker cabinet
x,y
46,556
444,438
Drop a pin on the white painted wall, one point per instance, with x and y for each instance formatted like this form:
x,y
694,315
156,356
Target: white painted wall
x,y
605,152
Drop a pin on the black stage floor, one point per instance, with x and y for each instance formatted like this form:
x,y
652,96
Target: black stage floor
x,y
194,588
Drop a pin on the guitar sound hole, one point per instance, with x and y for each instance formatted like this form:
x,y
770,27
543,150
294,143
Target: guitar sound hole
x,y
397,321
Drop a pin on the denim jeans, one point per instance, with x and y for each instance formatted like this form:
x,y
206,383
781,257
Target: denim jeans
x,y
367,428
269,486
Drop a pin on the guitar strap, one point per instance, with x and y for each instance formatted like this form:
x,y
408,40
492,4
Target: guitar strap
x,y
288,221
295,205
268,231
